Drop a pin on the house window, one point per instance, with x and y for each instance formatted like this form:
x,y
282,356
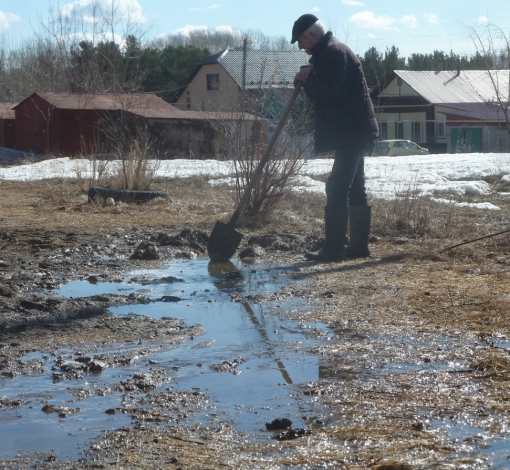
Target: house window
x,y
416,131
383,130
399,130
213,81
441,130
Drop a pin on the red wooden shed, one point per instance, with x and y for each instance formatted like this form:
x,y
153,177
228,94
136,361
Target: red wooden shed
x,y
69,123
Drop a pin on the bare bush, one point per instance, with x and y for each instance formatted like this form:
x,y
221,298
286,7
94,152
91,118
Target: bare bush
x,y
246,142
125,159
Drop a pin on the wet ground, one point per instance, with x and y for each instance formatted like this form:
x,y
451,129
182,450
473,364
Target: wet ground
x,y
121,346
240,365
234,344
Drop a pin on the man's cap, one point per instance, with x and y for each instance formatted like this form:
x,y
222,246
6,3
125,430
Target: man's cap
x,y
301,25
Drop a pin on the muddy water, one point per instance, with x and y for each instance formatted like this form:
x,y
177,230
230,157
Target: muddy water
x,y
267,352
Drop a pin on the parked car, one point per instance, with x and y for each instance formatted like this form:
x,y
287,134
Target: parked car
x,y
397,147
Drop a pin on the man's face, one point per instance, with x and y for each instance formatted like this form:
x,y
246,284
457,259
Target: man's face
x,y
306,41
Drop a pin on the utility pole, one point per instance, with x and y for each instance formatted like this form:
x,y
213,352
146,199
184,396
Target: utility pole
x,y
243,87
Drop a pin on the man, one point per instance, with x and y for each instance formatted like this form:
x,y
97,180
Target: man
x,y
344,122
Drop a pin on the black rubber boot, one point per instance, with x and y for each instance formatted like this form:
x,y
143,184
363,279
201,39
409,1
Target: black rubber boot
x,y
359,231
335,218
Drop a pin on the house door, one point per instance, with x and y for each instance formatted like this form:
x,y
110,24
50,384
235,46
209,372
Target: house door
x,y
466,139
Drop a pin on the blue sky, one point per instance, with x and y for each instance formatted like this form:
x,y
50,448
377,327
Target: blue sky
x,y
411,26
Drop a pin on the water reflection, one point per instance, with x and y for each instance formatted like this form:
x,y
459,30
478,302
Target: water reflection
x,y
227,274
230,277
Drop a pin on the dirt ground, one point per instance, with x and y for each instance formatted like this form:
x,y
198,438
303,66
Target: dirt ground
x,y
442,314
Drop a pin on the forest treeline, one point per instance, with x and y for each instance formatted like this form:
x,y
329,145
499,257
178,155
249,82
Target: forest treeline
x,y
64,63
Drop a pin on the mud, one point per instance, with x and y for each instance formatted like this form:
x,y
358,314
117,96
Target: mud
x,y
413,351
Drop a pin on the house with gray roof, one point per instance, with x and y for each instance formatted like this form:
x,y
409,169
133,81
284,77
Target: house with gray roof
x,y
231,80
447,111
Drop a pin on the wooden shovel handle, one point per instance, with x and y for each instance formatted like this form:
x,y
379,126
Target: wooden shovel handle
x,y
258,171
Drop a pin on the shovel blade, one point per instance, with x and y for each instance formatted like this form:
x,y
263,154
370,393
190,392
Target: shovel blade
x,y
223,242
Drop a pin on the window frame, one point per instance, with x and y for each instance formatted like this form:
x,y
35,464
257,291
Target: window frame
x,y
383,130
399,130
416,131
212,81
441,125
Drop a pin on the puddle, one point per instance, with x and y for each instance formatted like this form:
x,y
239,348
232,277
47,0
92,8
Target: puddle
x,y
268,356
270,348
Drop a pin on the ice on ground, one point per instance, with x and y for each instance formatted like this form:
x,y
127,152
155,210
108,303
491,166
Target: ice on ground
x,y
475,205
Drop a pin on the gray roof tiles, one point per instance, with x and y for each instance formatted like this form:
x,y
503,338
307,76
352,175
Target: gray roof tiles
x,y
264,69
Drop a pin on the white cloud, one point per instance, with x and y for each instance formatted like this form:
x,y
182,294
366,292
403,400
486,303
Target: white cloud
x,y
214,6
189,29
91,11
226,29
352,3
409,21
316,9
431,18
482,19
6,19
368,20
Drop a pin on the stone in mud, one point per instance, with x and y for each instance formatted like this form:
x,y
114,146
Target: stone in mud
x,y
253,251
169,298
146,251
278,242
6,291
143,381
97,366
195,239
279,423
31,305
227,366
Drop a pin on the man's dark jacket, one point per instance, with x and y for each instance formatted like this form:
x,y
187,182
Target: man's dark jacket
x,y
343,110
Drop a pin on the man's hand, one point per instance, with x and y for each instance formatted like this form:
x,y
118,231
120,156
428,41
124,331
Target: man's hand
x,y
302,75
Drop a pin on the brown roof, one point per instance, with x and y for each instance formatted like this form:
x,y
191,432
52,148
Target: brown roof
x,y
6,111
145,105
192,115
105,101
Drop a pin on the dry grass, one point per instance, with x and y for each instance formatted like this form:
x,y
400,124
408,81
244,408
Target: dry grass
x,y
450,307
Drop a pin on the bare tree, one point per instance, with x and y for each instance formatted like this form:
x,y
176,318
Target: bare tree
x,y
217,41
81,47
493,46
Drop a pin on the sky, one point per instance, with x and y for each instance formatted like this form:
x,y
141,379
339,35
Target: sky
x,y
413,27
448,178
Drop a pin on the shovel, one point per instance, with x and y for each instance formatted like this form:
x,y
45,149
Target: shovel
x,y
225,239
